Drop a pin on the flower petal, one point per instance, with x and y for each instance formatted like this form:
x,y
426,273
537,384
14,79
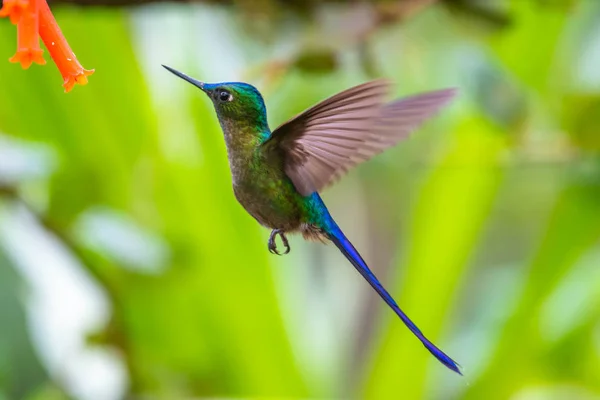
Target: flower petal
x,y
13,9
79,77
28,56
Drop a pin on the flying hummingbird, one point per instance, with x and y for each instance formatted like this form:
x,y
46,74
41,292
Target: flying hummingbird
x,y
277,174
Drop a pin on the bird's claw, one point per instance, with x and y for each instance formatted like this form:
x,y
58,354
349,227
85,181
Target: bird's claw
x,y
273,245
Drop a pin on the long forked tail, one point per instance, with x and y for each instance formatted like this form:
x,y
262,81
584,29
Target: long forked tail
x,y
337,236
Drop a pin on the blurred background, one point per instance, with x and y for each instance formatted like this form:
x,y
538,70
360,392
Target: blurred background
x,y
128,270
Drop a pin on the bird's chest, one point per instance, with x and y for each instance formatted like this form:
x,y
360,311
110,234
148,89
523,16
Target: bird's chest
x,y
264,190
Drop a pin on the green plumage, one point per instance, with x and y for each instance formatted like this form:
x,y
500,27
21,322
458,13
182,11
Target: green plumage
x,y
260,183
276,175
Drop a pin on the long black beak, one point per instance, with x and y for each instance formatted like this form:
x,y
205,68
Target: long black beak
x,y
185,77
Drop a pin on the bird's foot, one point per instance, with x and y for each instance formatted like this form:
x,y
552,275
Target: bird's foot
x,y
273,245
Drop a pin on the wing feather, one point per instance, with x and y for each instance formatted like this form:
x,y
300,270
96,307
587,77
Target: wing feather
x,y
324,142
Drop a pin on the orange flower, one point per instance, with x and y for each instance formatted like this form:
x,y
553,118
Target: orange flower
x,y
13,9
35,20
60,51
28,48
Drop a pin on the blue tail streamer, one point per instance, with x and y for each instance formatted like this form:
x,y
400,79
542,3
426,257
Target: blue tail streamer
x,y
336,235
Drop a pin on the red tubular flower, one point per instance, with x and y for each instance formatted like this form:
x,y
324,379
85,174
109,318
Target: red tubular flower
x,y
34,20
28,48
60,51
13,9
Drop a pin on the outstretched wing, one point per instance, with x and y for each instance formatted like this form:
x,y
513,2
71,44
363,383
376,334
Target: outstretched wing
x,y
322,143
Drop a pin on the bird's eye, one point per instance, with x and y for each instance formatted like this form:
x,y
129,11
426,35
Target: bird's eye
x,y
224,96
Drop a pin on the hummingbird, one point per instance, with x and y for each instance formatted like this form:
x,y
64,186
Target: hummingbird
x,y
277,174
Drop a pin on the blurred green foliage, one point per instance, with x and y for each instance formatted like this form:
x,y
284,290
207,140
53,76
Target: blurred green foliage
x,y
485,225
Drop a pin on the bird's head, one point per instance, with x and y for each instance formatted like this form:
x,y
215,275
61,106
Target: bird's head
x,y
235,102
